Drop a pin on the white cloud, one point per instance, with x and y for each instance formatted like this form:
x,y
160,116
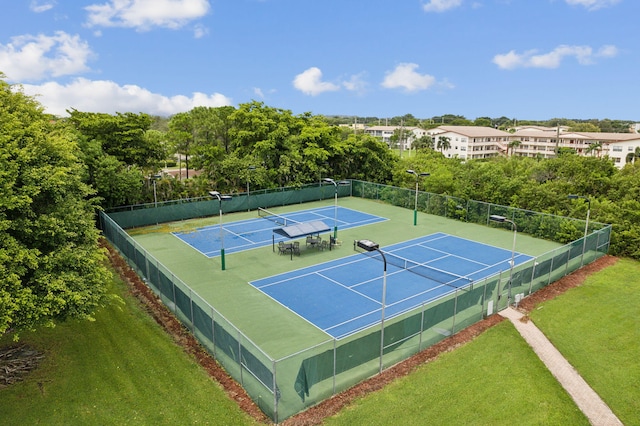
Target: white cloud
x,y
608,51
41,6
310,82
31,58
531,59
258,92
356,83
592,4
200,31
145,14
109,97
405,76
440,5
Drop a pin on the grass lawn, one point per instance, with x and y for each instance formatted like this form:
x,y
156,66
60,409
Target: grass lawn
x,y
497,379
124,369
494,380
597,328
121,369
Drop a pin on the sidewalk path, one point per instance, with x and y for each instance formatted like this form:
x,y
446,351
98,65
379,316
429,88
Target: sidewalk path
x,y
587,400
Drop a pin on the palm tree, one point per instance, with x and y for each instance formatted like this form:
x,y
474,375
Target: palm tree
x,y
513,145
423,142
595,147
631,157
444,142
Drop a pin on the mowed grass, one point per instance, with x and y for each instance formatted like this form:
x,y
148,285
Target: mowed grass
x,y
121,369
494,380
124,369
497,379
597,328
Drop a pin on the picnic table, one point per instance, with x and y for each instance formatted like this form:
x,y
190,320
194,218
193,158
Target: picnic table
x,y
291,248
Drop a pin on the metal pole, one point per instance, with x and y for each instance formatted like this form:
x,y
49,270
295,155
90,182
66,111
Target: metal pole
x,y
155,198
370,246
217,195
415,206
335,213
586,232
335,206
498,218
221,238
513,252
250,168
586,224
384,296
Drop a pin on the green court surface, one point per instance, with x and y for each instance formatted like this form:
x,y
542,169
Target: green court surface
x,y
278,331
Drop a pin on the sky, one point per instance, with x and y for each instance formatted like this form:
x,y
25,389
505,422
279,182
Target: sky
x,y
522,59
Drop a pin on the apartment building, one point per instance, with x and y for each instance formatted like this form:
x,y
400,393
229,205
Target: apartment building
x,y
385,133
543,143
474,142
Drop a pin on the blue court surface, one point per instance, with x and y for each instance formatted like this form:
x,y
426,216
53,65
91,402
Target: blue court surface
x,y
344,296
248,234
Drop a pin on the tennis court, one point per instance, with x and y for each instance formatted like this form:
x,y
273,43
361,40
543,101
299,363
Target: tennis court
x,y
253,233
344,296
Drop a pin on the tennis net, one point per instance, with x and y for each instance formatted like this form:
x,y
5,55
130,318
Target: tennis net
x,y
434,274
276,218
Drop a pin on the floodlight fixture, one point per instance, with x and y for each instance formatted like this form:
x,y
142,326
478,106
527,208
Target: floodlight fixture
x,y
335,202
418,175
502,219
586,224
221,198
368,245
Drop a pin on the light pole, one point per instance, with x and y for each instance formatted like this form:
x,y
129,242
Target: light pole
x,y
415,208
250,168
154,178
220,198
497,218
586,224
335,203
369,245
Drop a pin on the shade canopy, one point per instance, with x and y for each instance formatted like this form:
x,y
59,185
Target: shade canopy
x,y
302,229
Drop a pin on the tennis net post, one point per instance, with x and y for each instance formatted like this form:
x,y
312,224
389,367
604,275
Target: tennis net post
x,y
273,217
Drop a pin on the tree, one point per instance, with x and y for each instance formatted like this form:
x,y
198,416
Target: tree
x,y
513,145
444,142
268,136
584,127
595,148
121,135
182,135
631,157
483,121
400,137
52,267
423,142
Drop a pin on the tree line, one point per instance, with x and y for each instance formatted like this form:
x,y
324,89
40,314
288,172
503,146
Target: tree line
x,y
56,172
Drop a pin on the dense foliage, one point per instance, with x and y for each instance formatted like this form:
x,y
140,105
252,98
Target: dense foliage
x,y
271,147
50,264
55,172
542,186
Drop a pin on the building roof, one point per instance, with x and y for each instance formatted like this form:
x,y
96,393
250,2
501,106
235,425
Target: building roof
x,y
474,131
302,229
390,128
607,137
536,133
541,128
599,136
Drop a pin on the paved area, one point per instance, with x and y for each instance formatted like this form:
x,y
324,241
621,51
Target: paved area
x,y
587,400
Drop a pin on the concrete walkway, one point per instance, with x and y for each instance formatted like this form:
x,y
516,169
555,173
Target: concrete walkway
x,y
587,400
